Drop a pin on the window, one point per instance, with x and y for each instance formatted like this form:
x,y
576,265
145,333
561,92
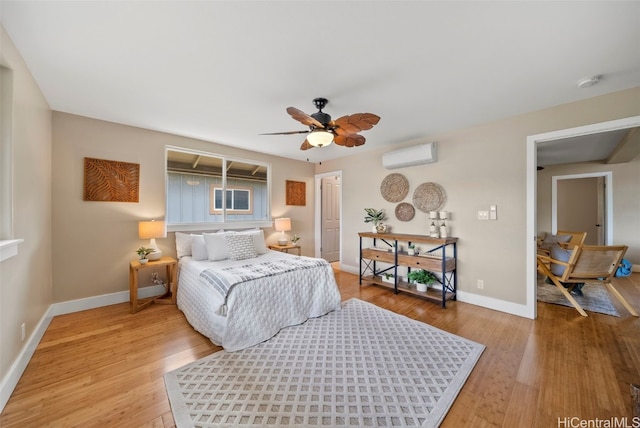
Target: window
x,y
6,161
197,181
238,200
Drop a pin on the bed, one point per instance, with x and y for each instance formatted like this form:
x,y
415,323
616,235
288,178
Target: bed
x,y
238,303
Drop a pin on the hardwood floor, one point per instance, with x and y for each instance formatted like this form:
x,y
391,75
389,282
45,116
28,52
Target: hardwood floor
x,y
104,367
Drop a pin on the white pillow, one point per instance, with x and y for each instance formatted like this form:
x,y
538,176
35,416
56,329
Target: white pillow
x,y
198,247
183,244
258,240
216,246
240,246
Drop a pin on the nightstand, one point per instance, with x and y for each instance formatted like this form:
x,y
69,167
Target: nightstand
x,y
169,298
286,248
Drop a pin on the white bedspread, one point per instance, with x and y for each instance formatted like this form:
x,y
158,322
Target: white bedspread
x,y
256,309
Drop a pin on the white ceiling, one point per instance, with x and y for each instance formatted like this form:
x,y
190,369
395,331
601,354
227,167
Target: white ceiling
x,y
225,71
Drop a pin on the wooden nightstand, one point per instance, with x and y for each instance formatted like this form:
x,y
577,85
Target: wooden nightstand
x,y
169,298
286,248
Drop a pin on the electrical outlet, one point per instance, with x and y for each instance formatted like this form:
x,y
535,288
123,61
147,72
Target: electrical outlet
x,y
481,284
483,215
23,331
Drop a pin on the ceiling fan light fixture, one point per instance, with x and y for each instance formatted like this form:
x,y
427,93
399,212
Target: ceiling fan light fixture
x,y
320,138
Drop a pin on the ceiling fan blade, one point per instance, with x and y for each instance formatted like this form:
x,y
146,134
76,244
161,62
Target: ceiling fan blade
x,y
355,123
286,133
306,145
303,117
349,140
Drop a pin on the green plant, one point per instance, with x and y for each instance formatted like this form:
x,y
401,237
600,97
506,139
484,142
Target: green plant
x,y
374,216
412,246
387,275
422,276
143,252
295,239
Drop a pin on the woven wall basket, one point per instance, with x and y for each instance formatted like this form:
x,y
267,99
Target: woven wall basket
x,y
394,187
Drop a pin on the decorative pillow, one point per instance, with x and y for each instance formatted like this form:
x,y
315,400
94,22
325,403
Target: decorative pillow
x,y
550,240
560,254
241,246
258,240
217,248
198,247
183,244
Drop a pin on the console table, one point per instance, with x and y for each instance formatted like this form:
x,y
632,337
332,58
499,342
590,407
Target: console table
x,y
439,258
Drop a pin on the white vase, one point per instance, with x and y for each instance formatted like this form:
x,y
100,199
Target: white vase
x,y
421,287
143,261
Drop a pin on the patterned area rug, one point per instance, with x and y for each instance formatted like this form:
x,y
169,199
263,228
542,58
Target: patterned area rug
x,y
595,297
359,366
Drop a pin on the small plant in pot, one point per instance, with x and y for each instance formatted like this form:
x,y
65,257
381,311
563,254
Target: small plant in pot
x,y
375,216
411,249
388,277
422,278
143,252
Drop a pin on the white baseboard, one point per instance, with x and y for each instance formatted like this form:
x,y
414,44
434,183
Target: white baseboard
x,y
12,377
14,373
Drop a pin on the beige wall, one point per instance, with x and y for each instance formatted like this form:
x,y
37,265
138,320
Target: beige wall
x,y
478,167
25,280
94,241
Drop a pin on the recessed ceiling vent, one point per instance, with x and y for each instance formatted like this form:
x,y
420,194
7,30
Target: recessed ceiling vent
x,y
410,156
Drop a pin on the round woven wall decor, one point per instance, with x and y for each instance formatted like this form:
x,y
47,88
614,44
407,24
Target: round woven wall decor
x,y
405,211
394,187
429,197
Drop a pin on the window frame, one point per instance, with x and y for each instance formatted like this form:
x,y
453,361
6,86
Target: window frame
x,y
233,189
225,223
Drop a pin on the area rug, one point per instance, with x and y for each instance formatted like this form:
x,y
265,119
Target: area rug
x,y
595,297
358,366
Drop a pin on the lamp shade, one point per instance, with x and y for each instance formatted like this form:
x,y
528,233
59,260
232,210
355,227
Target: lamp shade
x,y
320,138
283,224
151,229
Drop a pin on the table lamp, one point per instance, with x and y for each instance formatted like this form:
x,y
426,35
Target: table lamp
x,y
283,225
152,230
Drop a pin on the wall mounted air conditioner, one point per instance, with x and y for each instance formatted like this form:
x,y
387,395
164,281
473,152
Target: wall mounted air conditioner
x,y
410,156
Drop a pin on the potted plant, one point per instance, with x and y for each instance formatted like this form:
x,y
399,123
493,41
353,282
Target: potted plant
x,y
295,239
411,250
375,216
422,278
143,252
388,277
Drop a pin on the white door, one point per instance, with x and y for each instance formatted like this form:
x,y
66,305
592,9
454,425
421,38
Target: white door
x,y
330,222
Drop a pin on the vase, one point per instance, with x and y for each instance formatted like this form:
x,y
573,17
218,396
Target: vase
x,y
143,261
421,287
381,228
411,251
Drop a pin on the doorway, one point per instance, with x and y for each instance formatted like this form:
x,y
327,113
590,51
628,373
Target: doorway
x,y
329,216
583,202
530,310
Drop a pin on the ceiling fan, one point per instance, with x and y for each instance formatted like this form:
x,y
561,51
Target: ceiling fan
x,y
323,131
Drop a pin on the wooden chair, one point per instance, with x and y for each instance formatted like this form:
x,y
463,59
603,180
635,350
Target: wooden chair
x,y
586,263
577,238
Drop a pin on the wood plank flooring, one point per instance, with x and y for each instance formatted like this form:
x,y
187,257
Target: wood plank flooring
x,y
104,367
